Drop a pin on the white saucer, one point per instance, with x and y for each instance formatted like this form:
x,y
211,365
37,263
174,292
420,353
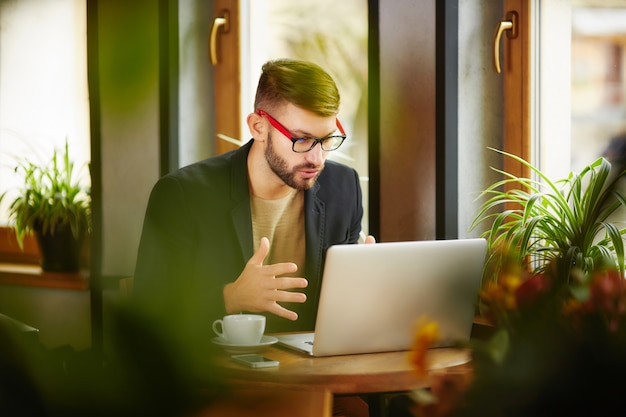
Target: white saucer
x,y
236,348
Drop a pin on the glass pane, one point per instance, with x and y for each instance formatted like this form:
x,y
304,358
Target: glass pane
x,y
43,85
598,78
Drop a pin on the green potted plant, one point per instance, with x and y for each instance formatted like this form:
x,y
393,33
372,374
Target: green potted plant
x,y
554,295
554,224
54,206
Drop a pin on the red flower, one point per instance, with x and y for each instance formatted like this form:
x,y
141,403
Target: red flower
x,y
532,289
608,296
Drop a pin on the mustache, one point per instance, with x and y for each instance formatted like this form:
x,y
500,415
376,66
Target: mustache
x,y
308,166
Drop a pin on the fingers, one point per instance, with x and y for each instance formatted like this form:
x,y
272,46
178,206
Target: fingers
x,y
261,287
261,252
281,311
271,304
370,239
289,283
280,269
289,297
285,296
281,295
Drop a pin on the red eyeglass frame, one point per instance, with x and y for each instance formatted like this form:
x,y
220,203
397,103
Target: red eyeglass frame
x,y
282,129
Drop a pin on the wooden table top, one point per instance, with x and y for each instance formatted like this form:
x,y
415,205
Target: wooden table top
x,y
347,374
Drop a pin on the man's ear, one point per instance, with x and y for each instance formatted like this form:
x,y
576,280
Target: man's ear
x,y
257,126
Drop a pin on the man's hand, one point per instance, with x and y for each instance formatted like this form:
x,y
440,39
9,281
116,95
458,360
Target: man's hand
x,y
258,289
366,239
370,239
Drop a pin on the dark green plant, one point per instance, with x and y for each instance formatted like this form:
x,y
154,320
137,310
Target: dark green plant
x,y
554,224
50,198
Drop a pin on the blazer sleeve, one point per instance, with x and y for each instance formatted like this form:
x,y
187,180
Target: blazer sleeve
x,y
163,290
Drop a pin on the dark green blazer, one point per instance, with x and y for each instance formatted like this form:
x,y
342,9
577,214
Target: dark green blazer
x,y
197,237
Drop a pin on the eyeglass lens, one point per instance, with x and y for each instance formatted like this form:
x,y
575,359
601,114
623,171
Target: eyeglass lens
x,y
329,143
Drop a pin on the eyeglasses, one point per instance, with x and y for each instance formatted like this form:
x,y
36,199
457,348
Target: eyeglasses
x,y
301,145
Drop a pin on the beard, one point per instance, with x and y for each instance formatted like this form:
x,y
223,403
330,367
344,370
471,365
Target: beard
x,y
289,176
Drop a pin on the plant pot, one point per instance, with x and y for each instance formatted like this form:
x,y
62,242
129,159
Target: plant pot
x,y
60,251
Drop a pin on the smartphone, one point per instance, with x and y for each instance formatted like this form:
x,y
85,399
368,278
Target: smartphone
x,y
255,361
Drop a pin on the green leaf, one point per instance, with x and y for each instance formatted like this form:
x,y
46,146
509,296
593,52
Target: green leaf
x,y
49,197
557,222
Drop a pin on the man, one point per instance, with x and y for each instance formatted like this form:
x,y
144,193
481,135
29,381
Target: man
x,y
248,230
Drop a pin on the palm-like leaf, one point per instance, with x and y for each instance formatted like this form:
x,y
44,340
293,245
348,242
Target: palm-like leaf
x,y
49,198
562,223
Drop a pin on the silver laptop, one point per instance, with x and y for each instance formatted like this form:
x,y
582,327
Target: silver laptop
x,y
373,295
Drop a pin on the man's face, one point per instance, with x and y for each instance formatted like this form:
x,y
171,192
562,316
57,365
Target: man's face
x,y
298,170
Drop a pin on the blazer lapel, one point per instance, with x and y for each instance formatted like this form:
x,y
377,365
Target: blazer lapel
x,y
314,215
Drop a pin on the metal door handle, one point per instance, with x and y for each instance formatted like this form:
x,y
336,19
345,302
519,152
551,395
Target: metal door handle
x,y
219,22
509,25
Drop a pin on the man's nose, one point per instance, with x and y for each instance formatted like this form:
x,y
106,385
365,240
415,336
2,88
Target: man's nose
x,y
316,155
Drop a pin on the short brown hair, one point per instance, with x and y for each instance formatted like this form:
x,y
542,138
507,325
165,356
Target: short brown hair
x,y
301,83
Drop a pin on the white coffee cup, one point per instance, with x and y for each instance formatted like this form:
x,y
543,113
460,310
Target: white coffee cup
x,y
240,329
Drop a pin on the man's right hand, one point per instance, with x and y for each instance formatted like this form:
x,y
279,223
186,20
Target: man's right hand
x,y
260,288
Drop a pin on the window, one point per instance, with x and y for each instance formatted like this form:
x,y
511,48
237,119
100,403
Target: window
x,y
598,79
43,85
581,98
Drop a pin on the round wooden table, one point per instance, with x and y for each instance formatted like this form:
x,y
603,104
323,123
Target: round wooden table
x,y
384,372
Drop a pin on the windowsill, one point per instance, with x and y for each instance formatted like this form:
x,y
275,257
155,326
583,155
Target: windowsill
x,y
33,276
19,266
